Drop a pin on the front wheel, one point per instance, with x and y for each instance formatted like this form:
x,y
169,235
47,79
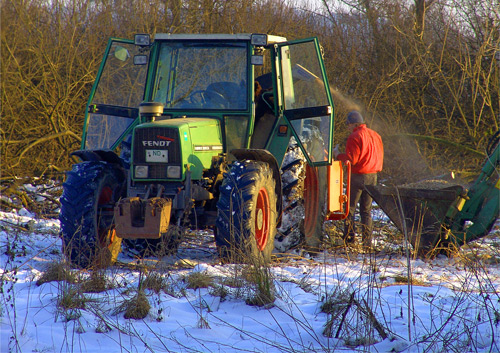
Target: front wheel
x,y
246,216
90,193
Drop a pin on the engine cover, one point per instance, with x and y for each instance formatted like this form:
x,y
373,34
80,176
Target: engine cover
x,y
165,149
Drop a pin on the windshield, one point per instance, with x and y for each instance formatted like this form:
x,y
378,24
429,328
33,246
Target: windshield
x,y
202,76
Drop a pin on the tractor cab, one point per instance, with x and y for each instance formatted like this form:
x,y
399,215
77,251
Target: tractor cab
x,y
260,89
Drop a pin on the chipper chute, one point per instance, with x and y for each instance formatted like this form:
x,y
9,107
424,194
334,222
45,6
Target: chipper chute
x,y
436,216
418,212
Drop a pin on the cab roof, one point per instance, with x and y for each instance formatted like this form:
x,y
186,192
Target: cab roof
x,y
271,39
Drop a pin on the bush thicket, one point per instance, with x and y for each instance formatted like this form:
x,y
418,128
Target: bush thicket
x,y
425,73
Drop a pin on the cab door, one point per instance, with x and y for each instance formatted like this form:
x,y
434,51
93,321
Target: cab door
x,y
118,90
305,98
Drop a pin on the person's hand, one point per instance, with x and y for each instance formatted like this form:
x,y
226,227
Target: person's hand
x,y
336,151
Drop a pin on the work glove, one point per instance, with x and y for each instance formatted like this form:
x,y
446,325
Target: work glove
x,y
336,151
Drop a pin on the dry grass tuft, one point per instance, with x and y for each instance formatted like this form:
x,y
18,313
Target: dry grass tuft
x,y
261,299
219,290
138,307
233,282
96,283
198,280
71,298
351,319
155,282
261,281
335,303
56,271
402,279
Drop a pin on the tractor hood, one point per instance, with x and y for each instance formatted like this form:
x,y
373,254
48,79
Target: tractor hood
x,y
166,149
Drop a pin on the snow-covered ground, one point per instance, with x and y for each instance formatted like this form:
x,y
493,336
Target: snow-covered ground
x,y
335,301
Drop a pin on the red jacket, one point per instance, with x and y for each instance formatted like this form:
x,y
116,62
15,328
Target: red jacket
x,y
365,151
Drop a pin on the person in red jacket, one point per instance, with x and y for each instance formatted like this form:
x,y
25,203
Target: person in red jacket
x,y
365,152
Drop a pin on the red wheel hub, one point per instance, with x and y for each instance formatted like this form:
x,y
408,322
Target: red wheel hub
x,y
262,219
106,236
311,200
105,195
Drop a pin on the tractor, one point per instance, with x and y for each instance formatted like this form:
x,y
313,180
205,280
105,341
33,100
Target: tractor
x,y
229,132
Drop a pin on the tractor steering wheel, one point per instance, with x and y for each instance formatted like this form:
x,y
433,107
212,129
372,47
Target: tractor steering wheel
x,y
208,99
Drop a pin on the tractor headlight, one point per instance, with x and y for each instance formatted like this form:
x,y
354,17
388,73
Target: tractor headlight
x,y
142,40
141,171
174,172
258,39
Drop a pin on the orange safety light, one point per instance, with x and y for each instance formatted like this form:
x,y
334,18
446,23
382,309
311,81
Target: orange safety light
x,y
282,130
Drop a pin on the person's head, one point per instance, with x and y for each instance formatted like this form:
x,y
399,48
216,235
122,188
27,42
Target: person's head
x,y
354,119
257,89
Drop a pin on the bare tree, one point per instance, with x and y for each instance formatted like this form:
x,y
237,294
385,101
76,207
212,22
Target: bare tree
x,y
51,51
421,7
424,69
427,72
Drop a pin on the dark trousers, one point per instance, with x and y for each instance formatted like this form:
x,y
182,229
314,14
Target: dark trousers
x,y
361,196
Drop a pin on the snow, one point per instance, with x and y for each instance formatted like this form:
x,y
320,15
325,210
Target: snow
x,y
452,305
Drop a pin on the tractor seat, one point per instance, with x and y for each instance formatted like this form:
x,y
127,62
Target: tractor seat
x,y
233,93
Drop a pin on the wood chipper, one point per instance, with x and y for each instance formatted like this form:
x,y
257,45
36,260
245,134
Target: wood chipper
x,y
438,216
203,131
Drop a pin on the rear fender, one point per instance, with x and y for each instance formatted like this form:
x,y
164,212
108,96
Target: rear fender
x,y
264,156
98,156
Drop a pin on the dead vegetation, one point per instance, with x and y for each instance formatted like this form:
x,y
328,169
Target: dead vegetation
x,y
414,79
155,282
197,280
97,282
56,272
137,307
431,90
39,196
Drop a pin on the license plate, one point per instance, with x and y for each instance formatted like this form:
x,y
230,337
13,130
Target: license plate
x,y
157,156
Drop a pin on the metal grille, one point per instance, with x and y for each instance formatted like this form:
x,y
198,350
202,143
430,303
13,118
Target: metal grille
x,y
152,138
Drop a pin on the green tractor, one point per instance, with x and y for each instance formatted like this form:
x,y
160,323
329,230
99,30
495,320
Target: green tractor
x,y
227,132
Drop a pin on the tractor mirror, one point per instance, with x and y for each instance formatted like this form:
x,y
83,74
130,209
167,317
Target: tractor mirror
x,y
140,59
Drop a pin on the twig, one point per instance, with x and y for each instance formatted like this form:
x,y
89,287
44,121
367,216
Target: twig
x,y
20,227
42,140
408,263
351,301
366,309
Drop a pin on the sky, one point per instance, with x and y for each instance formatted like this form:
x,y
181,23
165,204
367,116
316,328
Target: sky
x,y
334,301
